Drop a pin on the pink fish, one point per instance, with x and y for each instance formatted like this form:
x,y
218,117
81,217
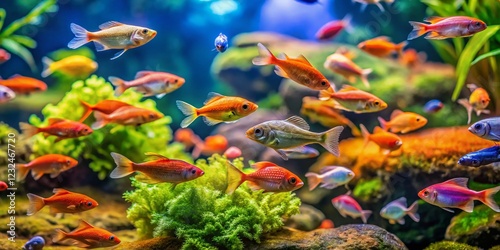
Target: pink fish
x,y
232,152
346,205
447,27
149,83
4,56
455,194
333,28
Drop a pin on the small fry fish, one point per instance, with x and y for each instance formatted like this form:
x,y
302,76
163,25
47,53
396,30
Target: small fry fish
x,y
232,152
345,67
446,27
215,144
6,94
23,85
381,47
304,152
127,115
269,177
149,83
455,194
53,164
3,186
330,177
385,140
333,28
403,122
433,106
346,205
63,201
86,236
478,101
299,70
113,35
161,169
4,56
488,129
75,66
411,58
104,106
396,210
221,43
354,100
217,108
61,128
481,157
35,243
293,133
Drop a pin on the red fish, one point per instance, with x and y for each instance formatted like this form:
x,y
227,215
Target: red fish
x,y
127,115
447,27
52,164
104,106
63,201
86,236
333,28
387,141
269,177
63,129
455,194
23,85
4,56
149,83
3,186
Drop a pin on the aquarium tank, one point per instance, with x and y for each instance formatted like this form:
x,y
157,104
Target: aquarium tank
x,y
265,124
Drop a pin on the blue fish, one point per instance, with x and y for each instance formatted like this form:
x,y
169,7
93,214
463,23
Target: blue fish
x,y
433,106
481,157
488,129
35,243
221,43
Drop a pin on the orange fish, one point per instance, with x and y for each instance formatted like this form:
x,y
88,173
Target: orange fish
x,y
381,46
104,106
187,137
478,101
411,58
23,85
299,70
215,144
127,115
344,66
162,169
217,108
269,177
354,100
403,122
447,27
52,164
86,236
63,201
385,140
149,83
63,129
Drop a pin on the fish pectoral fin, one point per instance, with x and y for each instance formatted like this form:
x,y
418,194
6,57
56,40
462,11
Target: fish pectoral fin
x,y
210,121
447,209
146,179
279,71
99,46
36,174
391,221
159,96
401,221
468,207
118,54
434,35
71,207
282,153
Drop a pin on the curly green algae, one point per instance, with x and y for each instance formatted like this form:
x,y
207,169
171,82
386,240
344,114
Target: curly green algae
x,y
367,190
450,245
202,215
96,148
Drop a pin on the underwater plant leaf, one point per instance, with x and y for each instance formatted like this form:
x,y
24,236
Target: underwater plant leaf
x,y
472,5
445,51
35,12
17,49
3,14
485,55
24,40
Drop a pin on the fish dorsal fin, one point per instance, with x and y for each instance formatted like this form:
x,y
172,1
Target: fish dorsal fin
x,y
327,169
383,38
298,121
143,73
110,24
59,191
156,156
378,129
282,56
53,121
212,97
15,76
462,182
263,164
82,226
396,113
401,201
472,87
303,59
434,19
346,88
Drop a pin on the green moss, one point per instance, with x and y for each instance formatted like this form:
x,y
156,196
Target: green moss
x,y
469,222
200,213
272,101
366,190
450,245
96,148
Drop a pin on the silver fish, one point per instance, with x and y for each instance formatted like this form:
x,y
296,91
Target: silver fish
x,y
488,128
329,177
396,210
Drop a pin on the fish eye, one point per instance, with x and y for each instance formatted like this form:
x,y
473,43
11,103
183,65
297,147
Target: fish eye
x,y
152,116
475,162
68,162
478,126
478,24
144,31
193,171
258,132
323,83
6,94
377,103
418,119
245,106
111,237
292,180
176,81
85,130
89,204
426,193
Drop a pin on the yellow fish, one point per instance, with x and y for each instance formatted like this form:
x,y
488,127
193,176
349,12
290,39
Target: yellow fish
x,y
76,66
403,122
478,101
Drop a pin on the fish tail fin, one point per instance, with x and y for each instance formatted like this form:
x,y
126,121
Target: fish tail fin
x,y
189,110
101,120
88,110
331,140
36,203
234,178
124,166
365,134
487,197
400,47
28,129
383,123
22,171
265,58
418,30
468,107
412,212
197,149
120,85
324,95
347,23
60,235
313,180
364,77
354,130
81,36
365,214
47,71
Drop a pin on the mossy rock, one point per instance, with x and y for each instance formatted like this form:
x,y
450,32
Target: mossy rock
x,y
450,245
369,190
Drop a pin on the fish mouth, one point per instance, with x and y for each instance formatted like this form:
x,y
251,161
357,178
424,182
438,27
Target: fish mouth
x,y
249,133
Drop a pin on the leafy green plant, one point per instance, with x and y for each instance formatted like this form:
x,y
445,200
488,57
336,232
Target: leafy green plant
x,y
19,44
200,213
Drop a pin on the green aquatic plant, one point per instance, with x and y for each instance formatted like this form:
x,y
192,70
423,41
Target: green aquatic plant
x,y
367,190
450,245
202,215
465,223
19,44
96,148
